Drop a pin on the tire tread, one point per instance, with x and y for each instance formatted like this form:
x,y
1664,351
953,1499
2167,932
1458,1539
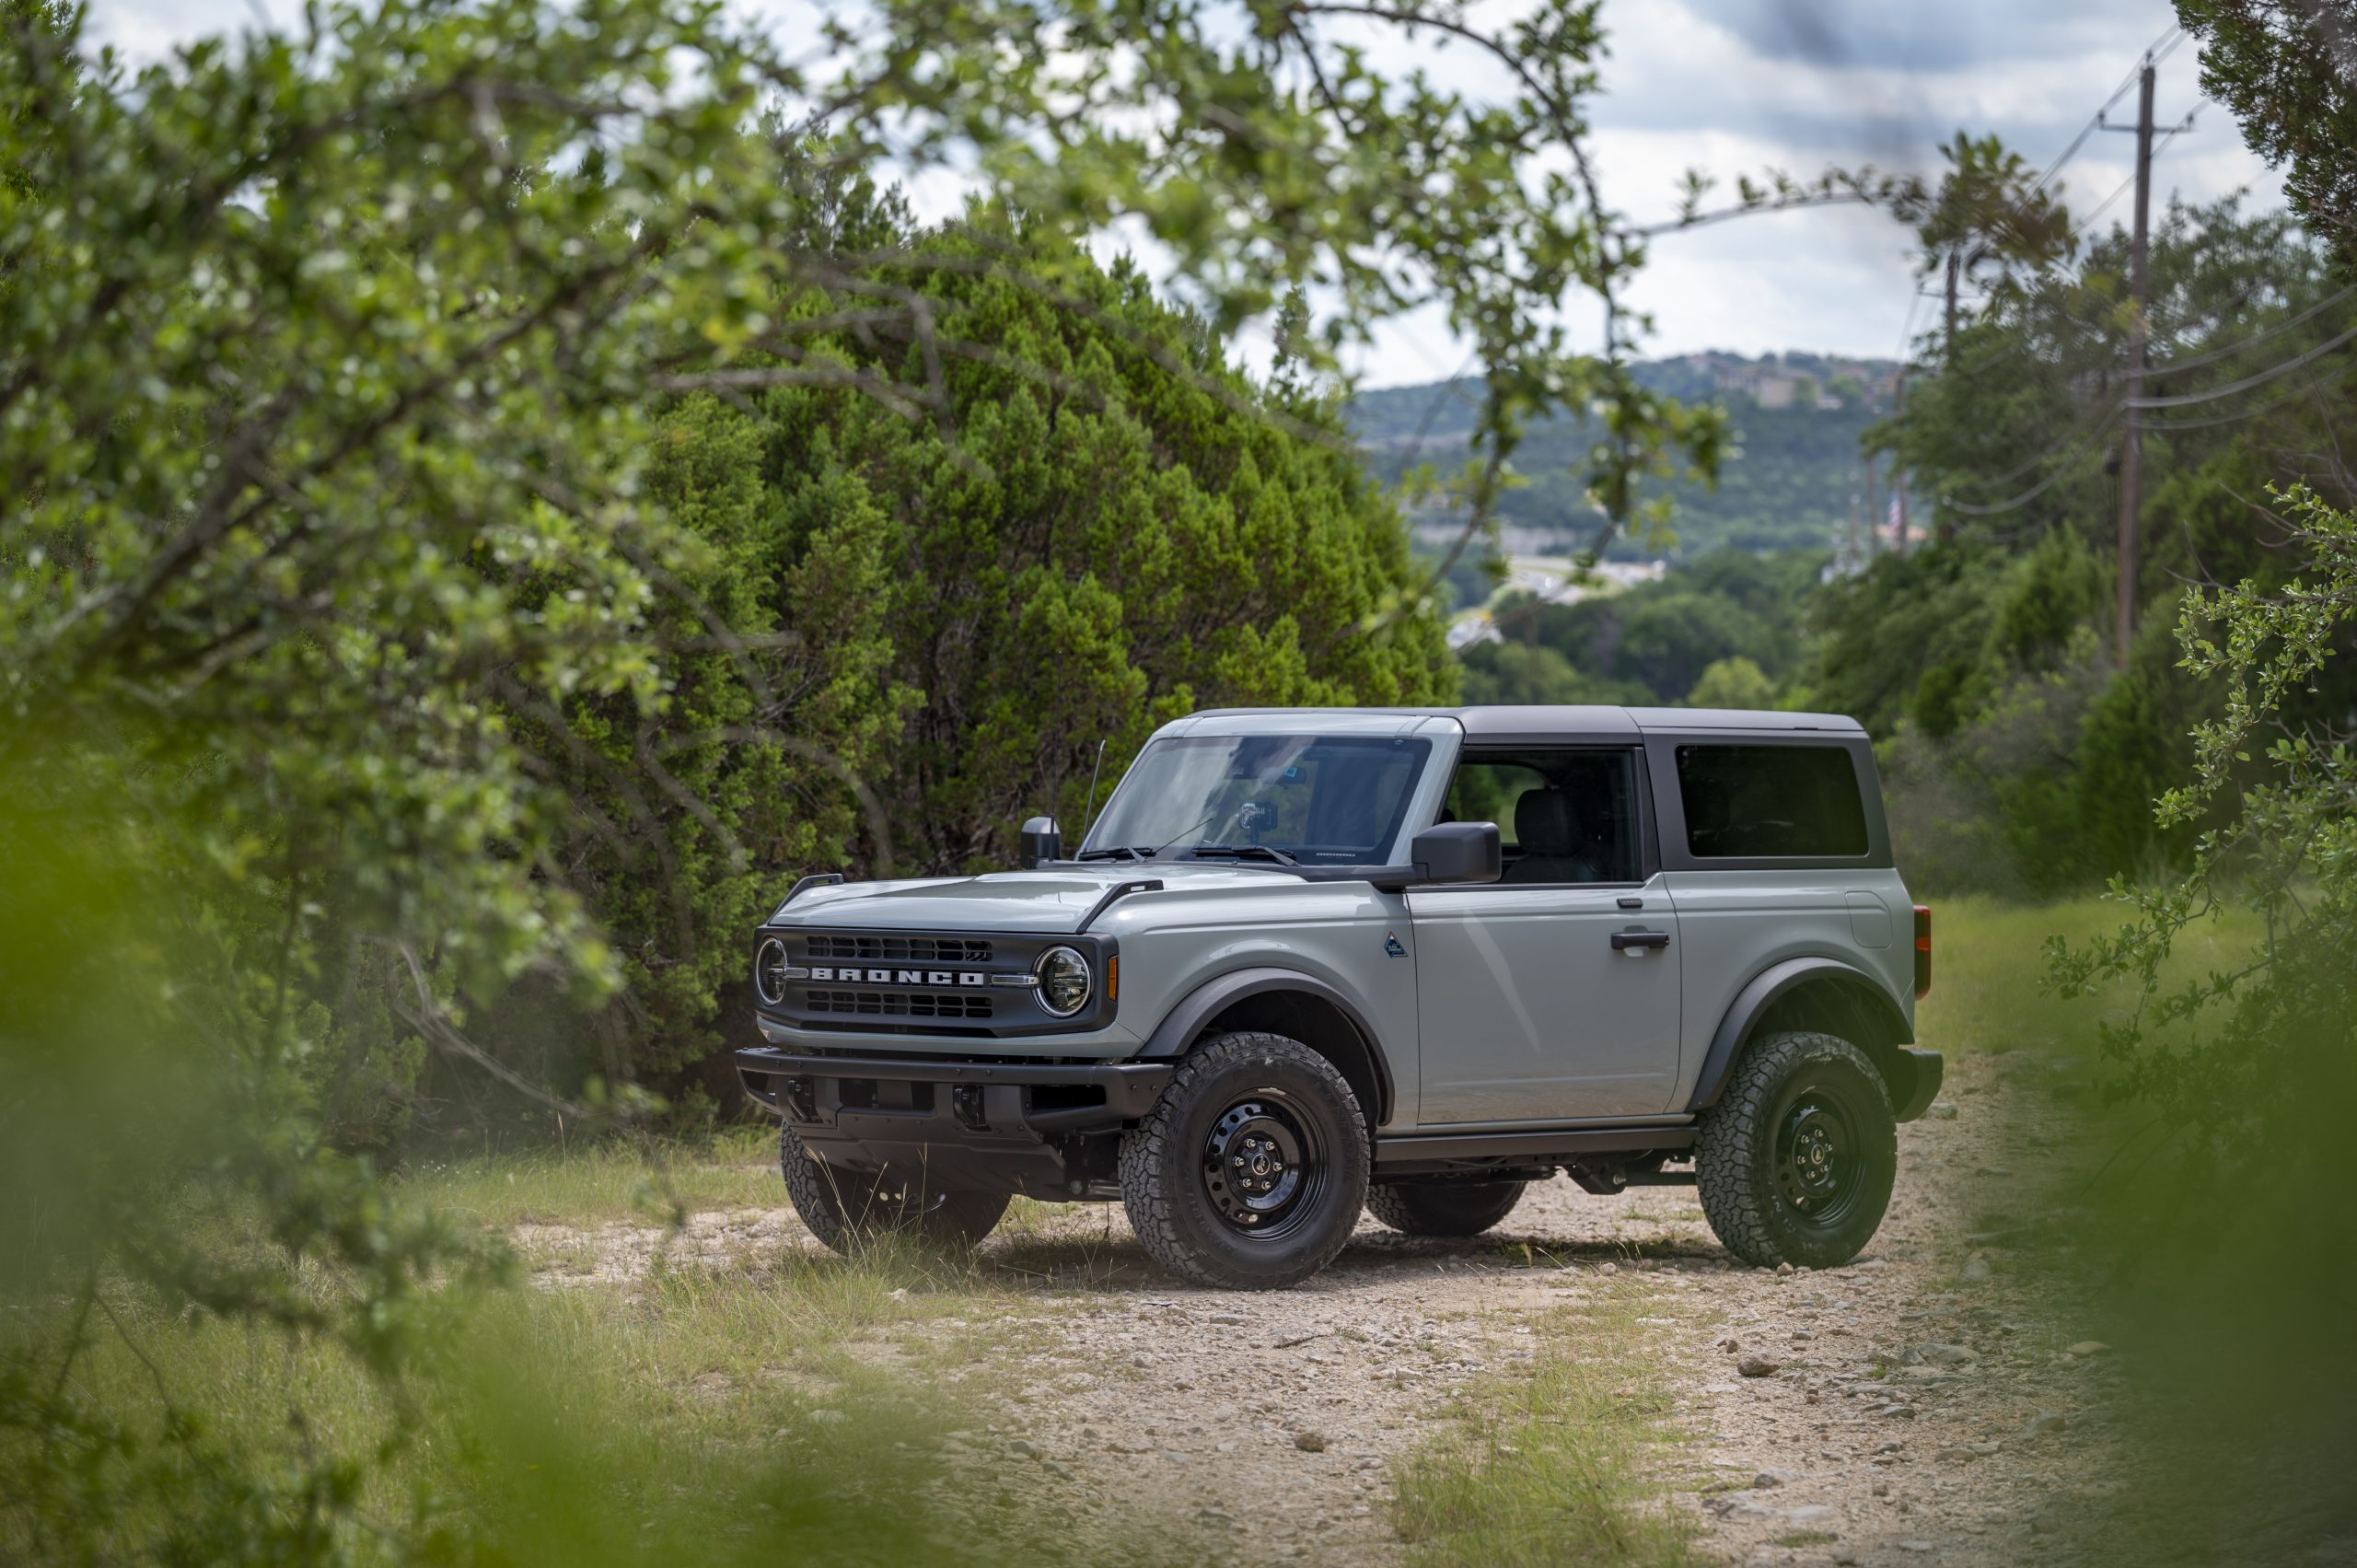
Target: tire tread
x,y
1727,1153
1148,1192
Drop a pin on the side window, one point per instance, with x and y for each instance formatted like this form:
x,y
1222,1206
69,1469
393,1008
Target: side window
x,y
1565,813
1747,801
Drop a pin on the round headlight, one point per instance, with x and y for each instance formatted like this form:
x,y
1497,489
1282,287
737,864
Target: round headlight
x,y
769,971
1063,981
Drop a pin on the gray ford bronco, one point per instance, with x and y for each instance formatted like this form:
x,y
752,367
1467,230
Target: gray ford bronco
x,y
1308,962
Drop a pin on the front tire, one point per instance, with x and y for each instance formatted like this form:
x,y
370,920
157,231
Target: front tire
x,y
1796,1161
1251,1169
843,1208
1444,1208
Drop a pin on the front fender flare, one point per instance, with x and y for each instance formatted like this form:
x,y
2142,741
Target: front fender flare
x,y
1185,1021
1751,1003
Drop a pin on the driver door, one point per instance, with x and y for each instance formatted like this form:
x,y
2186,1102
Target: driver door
x,y
1551,994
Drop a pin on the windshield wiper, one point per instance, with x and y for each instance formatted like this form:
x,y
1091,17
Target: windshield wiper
x,y
1118,852
1246,852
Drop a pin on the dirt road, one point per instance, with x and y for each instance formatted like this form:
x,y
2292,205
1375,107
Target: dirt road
x,y
1915,1406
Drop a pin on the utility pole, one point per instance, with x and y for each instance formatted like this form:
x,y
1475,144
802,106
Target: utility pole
x,y
2131,440
1852,562
1947,323
1899,475
1873,523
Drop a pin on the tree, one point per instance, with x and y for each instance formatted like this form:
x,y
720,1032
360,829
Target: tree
x,y
1987,221
1734,682
1975,648
1177,542
2287,70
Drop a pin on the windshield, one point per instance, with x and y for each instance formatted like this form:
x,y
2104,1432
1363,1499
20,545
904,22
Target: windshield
x,y
1315,799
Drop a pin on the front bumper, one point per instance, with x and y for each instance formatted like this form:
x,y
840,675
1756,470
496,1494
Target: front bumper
x,y
1012,1126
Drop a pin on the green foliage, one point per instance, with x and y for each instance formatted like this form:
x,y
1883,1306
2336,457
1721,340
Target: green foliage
x,y
1732,683
2281,69
1971,657
1783,481
1531,672
1267,153
1653,643
1090,547
1991,216
2045,596
2243,1071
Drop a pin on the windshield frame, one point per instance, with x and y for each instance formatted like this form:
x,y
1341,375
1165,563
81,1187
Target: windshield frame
x,y
1388,847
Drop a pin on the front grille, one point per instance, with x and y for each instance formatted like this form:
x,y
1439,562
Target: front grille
x,y
911,949
898,1004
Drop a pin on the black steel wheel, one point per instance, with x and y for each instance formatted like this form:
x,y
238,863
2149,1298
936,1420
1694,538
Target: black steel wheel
x,y
1250,1170
843,1207
1444,1208
1265,1165
1820,1158
1796,1162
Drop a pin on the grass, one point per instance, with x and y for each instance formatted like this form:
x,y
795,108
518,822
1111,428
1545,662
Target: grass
x,y
1988,960
1557,1466
771,1405
607,1180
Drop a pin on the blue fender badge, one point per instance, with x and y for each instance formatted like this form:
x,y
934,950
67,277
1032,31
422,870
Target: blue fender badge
x,y
1391,946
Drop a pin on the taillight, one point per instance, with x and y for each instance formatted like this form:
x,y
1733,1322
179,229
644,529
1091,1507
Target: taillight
x,y
1923,948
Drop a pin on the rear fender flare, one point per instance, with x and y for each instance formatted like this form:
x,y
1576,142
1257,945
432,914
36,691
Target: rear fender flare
x,y
1858,989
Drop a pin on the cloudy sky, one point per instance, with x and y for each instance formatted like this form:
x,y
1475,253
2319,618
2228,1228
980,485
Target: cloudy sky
x,y
1730,86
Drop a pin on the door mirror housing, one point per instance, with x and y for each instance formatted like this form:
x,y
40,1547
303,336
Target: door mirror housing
x,y
1040,843
1450,854
1457,852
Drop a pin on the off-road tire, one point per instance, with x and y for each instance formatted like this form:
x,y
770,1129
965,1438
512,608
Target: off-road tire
x,y
1752,1163
1175,1176
843,1208
1444,1208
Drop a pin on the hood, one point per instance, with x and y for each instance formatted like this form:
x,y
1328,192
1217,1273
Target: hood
x,y
1051,902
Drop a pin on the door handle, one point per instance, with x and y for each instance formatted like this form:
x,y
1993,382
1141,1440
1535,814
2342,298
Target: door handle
x,y
1622,941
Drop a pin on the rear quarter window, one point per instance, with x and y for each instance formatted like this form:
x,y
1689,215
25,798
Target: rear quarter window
x,y
1745,802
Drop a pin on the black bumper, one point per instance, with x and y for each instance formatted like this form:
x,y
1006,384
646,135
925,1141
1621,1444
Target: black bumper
x,y
1926,1069
1000,1126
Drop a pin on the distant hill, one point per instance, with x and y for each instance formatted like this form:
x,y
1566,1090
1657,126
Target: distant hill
x,y
1797,419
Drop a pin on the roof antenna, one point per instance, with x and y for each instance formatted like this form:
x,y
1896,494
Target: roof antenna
x,y
1088,806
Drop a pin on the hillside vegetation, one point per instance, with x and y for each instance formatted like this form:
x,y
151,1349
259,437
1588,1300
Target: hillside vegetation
x,y
1785,482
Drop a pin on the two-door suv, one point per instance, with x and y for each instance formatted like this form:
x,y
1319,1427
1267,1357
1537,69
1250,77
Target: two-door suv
x,y
1308,961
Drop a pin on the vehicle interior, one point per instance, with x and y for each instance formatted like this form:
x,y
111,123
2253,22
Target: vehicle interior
x,y
1564,815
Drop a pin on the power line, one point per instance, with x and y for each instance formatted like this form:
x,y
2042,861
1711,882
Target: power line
x,y
2119,92
2247,383
2209,357
2164,426
2042,486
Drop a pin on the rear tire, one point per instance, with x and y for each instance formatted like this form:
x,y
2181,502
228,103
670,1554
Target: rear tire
x,y
1795,1162
1444,1208
1251,1169
843,1208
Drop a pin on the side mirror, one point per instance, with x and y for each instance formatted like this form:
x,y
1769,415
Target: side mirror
x,y
1457,852
1041,843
